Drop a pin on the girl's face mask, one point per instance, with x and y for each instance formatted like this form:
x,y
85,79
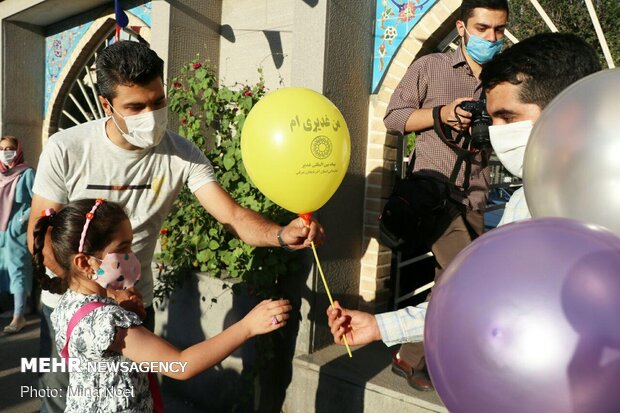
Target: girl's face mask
x,y
118,271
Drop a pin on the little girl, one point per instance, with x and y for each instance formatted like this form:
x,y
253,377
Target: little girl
x,y
91,240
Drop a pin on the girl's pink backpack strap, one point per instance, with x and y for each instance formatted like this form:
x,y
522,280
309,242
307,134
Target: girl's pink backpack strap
x,y
77,317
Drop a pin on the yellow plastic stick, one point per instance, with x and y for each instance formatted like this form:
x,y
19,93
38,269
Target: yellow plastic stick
x,y
331,301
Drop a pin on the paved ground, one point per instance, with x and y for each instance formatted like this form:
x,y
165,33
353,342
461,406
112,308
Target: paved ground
x,y
12,381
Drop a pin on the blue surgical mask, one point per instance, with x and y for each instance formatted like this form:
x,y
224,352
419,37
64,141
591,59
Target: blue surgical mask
x,y
482,50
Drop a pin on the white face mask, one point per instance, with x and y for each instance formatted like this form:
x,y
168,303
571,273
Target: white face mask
x,y
6,157
509,143
144,130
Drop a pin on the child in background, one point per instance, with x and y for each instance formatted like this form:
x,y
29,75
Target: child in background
x,y
91,240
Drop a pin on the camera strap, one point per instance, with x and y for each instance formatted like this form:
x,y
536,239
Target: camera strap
x,y
463,155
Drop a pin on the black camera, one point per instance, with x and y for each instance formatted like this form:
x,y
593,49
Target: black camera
x,y
480,122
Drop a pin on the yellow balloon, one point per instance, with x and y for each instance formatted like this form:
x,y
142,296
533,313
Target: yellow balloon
x,y
295,146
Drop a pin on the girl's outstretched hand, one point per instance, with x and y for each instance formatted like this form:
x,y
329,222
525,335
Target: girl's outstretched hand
x,y
267,316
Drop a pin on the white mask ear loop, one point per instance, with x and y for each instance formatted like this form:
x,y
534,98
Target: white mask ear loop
x,y
114,120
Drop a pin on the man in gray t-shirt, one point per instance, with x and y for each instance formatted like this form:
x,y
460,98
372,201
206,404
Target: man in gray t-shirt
x,y
81,162
132,159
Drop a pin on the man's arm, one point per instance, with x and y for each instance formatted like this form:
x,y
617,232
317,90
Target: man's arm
x,y
253,228
39,204
422,119
395,327
402,326
405,112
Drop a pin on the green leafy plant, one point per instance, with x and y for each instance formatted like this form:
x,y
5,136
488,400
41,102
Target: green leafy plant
x,y
212,116
569,16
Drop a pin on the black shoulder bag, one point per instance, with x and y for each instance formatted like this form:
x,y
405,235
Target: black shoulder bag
x,y
410,215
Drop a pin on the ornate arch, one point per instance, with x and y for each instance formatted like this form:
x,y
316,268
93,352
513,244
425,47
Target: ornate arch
x,y
94,38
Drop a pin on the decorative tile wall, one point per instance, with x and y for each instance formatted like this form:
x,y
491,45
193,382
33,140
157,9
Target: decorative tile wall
x,y
60,46
394,20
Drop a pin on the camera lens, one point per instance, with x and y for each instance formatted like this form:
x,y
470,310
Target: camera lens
x,y
480,121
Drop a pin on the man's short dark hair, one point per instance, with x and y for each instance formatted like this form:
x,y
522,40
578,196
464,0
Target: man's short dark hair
x,y
126,63
544,65
468,6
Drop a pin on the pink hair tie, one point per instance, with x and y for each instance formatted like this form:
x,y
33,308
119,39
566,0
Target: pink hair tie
x,y
48,212
89,217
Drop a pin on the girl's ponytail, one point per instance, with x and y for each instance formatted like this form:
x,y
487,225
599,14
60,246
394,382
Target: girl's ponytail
x,y
55,284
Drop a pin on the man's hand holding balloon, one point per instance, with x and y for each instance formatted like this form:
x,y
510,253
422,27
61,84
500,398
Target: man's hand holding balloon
x,y
299,235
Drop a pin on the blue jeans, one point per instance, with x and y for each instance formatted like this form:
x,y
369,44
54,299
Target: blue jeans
x,y
19,298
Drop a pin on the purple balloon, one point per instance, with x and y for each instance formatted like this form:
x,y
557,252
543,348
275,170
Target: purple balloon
x,y
527,319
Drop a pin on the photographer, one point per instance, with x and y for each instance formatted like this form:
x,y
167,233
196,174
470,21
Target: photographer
x,y
440,83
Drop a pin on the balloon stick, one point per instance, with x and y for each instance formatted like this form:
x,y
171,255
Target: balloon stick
x,y
306,218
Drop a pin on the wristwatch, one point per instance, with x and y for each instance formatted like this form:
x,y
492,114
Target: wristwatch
x,y
281,241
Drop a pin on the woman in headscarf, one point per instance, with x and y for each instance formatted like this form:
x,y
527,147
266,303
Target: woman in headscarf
x,y
16,179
